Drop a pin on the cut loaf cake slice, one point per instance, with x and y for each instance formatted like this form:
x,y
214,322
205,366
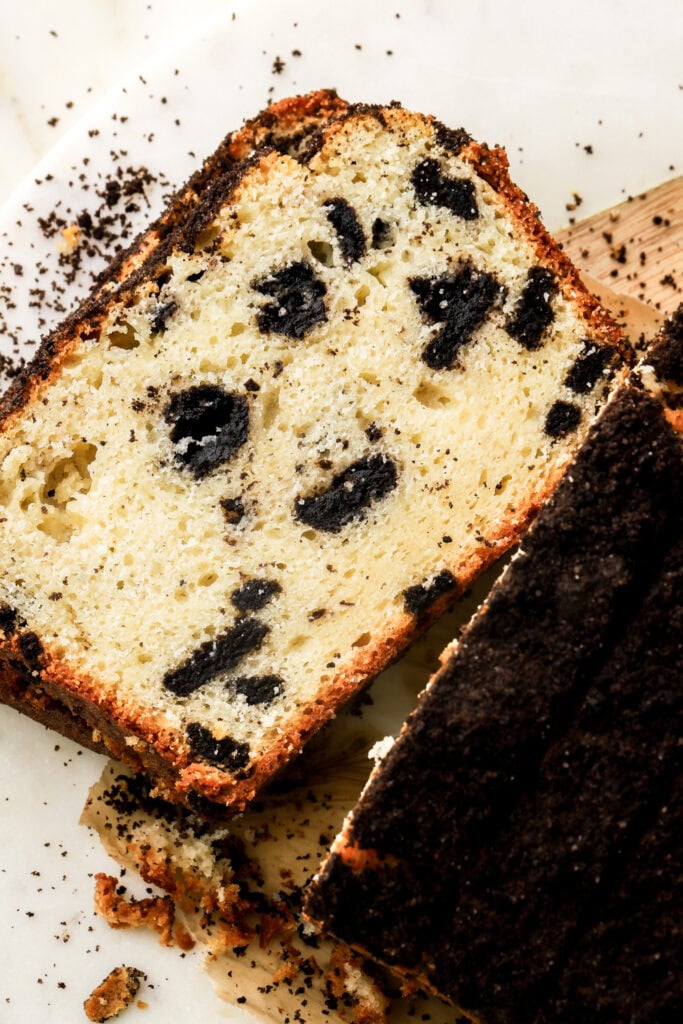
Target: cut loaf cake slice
x,y
331,385
518,849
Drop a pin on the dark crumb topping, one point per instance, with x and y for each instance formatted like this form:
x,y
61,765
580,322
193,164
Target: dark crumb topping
x,y
534,312
434,188
258,689
419,599
226,752
589,368
208,426
525,795
562,419
350,234
298,301
452,139
666,357
216,657
460,302
254,595
349,495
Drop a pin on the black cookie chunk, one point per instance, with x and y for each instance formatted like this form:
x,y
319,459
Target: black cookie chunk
x,y
216,657
452,139
163,311
460,302
208,426
382,234
349,495
258,689
8,619
434,188
226,752
298,301
233,510
344,220
588,368
254,595
562,419
420,598
31,648
534,310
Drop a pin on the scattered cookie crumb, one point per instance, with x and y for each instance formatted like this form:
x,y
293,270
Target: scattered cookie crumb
x,y
156,912
114,994
348,980
70,240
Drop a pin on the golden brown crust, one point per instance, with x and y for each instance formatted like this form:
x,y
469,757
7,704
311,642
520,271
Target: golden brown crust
x,y
282,123
155,912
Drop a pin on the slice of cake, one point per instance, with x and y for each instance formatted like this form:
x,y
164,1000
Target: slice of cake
x,y
516,851
334,383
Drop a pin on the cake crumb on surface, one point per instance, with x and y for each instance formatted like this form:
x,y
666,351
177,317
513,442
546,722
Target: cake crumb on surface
x,y
114,994
156,912
69,242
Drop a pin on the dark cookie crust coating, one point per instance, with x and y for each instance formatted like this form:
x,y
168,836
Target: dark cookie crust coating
x,y
571,672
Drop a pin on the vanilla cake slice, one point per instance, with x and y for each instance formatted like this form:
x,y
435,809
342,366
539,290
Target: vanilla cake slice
x,y
331,385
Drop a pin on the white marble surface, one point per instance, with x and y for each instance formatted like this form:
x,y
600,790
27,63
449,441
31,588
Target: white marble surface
x,y
544,79
57,59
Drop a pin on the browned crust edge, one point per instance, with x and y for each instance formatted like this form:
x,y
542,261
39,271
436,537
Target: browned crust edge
x,y
192,206
493,166
305,119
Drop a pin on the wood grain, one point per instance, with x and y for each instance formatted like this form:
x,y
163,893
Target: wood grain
x,y
635,248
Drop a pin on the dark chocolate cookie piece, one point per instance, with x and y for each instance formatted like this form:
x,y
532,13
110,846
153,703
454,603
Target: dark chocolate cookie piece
x,y
350,234
224,752
258,689
562,418
297,304
421,597
435,188
216,657
255,594
349,494
208,426
534,312
590,366
460,301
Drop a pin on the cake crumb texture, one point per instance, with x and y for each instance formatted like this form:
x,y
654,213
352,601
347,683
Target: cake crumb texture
x,y
114,994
